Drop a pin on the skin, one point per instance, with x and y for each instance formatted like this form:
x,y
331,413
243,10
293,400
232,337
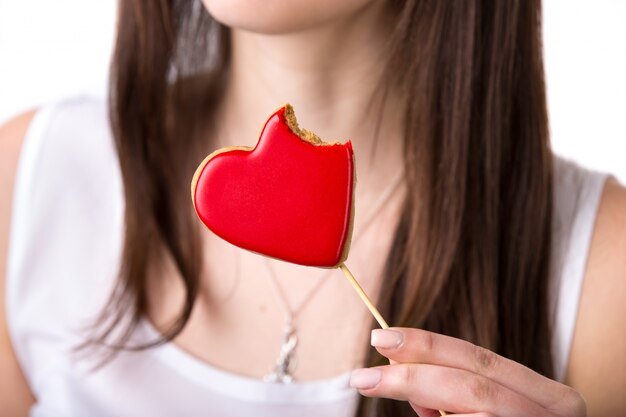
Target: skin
x,y
329,85
15,395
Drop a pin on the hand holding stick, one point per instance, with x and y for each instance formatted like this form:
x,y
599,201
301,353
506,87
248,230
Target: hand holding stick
x,y
370,306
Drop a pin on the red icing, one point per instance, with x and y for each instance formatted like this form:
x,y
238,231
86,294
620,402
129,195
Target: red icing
x,y
286,198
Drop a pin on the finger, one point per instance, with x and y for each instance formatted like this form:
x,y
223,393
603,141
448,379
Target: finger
x,y
420,346
441,388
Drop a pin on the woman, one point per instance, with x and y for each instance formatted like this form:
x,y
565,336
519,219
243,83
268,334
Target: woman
x,y
118,303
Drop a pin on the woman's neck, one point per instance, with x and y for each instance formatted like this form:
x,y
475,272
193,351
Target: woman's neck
x,y
332,75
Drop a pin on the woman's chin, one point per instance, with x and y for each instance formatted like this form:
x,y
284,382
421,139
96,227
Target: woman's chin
x,y
280,16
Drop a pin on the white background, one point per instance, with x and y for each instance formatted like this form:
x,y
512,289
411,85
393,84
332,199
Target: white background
x,y
51,49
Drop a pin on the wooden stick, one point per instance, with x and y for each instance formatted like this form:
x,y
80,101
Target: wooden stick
x,y
370,306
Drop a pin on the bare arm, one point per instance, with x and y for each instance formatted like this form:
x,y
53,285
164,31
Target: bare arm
x,y
15,395
597,367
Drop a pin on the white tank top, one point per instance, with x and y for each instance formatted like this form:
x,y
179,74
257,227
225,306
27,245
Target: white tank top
x,y
64,252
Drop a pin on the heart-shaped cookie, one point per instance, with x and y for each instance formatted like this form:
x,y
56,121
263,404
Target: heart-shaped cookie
x,y
291,197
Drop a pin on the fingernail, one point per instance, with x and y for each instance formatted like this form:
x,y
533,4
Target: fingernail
x,y
386,339
365,378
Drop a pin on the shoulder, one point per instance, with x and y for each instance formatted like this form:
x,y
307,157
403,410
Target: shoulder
x,y
60,187
597,365
66,147
54,151
11,137
74,121
12,382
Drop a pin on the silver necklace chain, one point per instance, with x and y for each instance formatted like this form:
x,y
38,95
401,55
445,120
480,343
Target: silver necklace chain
x,y
285,363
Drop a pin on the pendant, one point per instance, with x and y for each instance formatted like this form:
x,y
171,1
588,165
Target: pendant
x,y
283,369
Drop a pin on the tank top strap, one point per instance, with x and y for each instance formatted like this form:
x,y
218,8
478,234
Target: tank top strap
x,y
65,232
577,194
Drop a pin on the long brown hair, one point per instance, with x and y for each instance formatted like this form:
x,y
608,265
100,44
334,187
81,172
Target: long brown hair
x,y
473,262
